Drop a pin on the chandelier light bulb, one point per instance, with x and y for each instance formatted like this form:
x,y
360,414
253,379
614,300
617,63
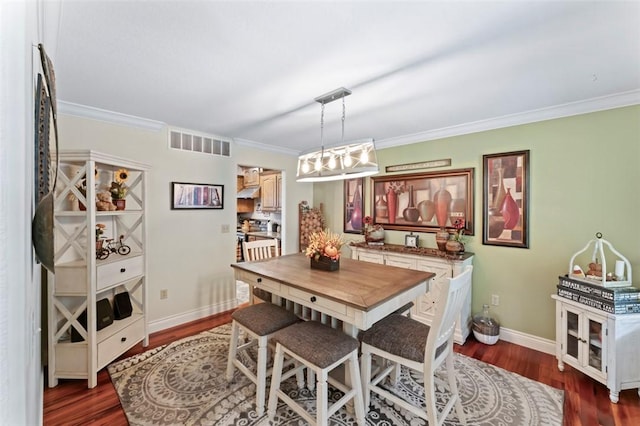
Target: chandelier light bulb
x,y
305,167
347,159
364,157
318,165
332,162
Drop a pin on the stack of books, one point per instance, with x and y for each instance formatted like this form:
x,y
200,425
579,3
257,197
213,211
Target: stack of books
x,y
619,300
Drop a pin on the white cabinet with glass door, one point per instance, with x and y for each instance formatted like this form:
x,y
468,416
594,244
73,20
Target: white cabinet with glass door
x,y
604,346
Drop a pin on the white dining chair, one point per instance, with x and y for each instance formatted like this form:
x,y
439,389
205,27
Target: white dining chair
x,y
405,341
258,250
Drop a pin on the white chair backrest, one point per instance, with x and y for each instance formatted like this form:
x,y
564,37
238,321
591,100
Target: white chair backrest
x,y
260,249
447,309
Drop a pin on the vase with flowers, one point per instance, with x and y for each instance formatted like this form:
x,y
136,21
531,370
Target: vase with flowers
x,y
324,250
119,189
99,232
455,245
373,233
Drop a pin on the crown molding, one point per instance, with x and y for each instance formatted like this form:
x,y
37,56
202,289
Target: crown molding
x,y
84,111
602,103
263,146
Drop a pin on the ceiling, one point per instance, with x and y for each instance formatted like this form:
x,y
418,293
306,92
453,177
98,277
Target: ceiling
x,y
250,70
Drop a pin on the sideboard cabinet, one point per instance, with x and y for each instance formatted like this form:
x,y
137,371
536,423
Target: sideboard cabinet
x,y
604,346
423,260
80,339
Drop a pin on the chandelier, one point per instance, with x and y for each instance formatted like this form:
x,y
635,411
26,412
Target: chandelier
x,y
343,161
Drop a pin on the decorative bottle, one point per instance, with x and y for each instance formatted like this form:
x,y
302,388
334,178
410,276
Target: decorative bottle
x,y
485,328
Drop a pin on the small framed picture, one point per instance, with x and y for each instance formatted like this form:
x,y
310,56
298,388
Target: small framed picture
x,y
411,240
196,196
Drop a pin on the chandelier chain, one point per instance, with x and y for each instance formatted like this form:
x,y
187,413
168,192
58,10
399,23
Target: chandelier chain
x,y
322,126
343,116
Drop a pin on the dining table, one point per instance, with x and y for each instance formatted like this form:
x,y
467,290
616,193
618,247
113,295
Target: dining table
x,y
358,294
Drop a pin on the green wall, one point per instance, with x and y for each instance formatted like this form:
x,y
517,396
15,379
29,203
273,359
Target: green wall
x,y
584,178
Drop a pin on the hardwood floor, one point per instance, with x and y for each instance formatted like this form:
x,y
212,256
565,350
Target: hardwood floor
x,y
586,401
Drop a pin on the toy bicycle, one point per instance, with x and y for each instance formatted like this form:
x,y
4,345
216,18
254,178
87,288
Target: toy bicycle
x,y
112,246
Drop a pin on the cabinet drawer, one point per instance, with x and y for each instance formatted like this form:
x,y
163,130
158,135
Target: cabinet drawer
x,y
400,262
328,306
119,342
117,272
258,281
371,257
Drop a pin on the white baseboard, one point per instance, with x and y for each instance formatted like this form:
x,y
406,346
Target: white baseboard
x,y
196,314
528,341
511,336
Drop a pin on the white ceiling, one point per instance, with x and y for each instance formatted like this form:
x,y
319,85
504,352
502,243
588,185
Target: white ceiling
x,y
250,70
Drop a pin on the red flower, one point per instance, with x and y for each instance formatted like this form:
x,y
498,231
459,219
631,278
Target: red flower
x,y
368,220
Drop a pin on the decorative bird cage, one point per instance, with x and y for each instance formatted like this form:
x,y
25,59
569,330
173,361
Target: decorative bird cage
x,y
597,272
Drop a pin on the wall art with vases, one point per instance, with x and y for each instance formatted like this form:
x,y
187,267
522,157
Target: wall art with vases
x,y
424,202
505,204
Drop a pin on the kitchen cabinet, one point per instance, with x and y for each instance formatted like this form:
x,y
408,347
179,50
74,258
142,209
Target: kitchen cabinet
x,y
243,205
423,260
251,176
270,189
77,348
603,346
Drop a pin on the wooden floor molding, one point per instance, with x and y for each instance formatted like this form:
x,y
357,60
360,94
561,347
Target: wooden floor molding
x,y
586,401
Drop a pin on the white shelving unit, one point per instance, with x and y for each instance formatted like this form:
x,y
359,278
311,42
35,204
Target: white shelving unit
x,y
443,268
604,346
80,280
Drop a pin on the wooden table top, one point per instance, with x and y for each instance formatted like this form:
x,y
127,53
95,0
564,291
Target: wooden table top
x,y
362,285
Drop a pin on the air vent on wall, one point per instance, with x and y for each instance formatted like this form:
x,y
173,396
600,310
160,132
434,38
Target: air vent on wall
x,y
205,144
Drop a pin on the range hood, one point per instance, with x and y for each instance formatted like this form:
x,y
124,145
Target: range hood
x,y
249,192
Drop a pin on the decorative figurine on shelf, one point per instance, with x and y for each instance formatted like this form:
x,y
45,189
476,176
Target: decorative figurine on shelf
x,y
104,202
113,247
373,234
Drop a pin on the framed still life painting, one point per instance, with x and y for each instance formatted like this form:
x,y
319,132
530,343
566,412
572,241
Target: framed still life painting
x,y
353,205
505,203
425,202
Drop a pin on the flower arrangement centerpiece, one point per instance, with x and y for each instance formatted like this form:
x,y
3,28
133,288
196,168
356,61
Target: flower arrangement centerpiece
x,y
119,189
373,233
324,250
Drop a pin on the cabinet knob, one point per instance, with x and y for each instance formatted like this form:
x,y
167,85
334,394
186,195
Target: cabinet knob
x,y
123,269
259,280
313,298
123,339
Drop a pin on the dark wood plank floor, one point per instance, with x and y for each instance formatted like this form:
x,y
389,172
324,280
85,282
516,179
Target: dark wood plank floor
x,y
586,401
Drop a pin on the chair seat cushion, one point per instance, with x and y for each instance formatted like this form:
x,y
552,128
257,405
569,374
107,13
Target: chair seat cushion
x,y
264,318
400,336
317,343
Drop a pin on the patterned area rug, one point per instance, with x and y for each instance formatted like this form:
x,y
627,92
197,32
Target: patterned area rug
x,y
183,383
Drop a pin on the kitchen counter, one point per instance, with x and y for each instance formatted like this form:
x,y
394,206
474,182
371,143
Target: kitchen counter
x,y
264,234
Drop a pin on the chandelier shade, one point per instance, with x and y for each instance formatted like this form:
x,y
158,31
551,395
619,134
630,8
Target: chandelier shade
x,y
336,162
344,161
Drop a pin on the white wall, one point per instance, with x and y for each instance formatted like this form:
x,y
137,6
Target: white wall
x,y
188,253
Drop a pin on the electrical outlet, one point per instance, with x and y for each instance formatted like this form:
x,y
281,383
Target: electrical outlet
x,y
224,228
164,294
495,299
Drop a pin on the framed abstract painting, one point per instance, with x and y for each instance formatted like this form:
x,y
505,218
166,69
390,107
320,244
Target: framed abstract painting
x,y
505,201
